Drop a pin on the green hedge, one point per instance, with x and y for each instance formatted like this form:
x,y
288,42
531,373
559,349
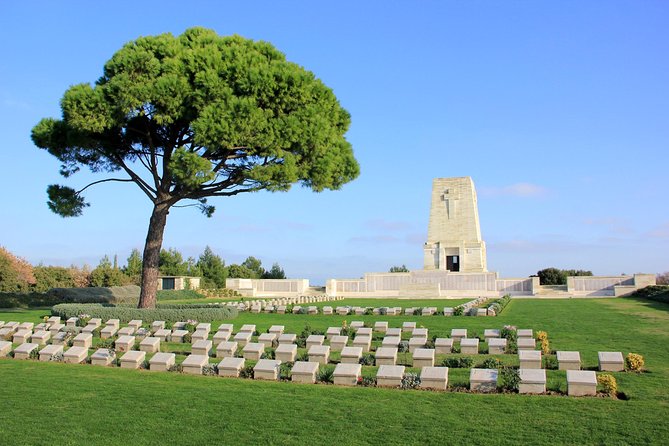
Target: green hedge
x,y
116,295
658,293
27,300
169,313
178,294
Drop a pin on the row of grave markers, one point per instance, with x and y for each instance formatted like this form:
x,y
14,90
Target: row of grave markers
x,y
347,372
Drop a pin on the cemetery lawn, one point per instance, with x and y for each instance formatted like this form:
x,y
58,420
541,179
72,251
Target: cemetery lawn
x,y
55,403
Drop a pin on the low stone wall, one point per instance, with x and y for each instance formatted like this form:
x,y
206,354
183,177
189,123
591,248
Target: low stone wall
x,y
268,287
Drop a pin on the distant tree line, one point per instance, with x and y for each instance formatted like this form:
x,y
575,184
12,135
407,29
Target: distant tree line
x,y
19,276
555,276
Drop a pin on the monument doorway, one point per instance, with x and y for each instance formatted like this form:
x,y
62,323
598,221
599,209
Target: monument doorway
x,y
453,263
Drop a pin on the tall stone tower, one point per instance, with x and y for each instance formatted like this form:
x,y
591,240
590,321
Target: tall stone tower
x,y
454,235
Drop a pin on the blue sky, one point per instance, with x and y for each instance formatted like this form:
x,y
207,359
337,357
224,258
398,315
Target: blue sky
x,y
558,110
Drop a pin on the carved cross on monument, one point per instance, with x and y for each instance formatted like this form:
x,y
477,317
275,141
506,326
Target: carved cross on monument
x,y
450,199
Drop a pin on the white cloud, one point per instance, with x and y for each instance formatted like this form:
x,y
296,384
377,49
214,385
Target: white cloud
x,y
523,190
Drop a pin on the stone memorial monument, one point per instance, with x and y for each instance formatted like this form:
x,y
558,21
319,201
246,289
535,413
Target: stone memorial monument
x,y
454,235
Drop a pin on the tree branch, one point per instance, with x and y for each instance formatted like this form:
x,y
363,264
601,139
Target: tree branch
x,y
122,180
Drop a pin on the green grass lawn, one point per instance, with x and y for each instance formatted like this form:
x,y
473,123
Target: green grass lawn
x,y
54,403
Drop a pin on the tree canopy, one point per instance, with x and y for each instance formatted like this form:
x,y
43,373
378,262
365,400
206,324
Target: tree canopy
x,y
197,116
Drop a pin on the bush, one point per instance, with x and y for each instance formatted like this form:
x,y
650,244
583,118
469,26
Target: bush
x,y
509,379
464,362
634,362
658,293
491,363
367,359
409,381
550,362
203,313
246,372
458,311
608,384
367,381
178,295
284,370
403,347
325,374
210,370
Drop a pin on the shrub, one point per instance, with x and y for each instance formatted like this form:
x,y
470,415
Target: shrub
x,y
268,354
542,337
403,347
550,362
463,362
304,356
491,363
178,295
210,370
658,293
367,381
58,357
106,343
457,311
188,338
246,372
634,362
178,368
417,311
383,311
608,384
284,371
325,374
409,381
171,313
34,354
509,379
367,359
190,326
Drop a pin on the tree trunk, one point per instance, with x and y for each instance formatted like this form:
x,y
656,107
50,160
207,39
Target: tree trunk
x,y
154,241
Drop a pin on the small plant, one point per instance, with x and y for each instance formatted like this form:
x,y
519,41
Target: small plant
x,y
106,343
367,359
509,379
96,332
368,312
188,338
608,384
284,371
58,357
545,347
403,347
145,364
367,381
550,362
634,362
383,311
190,326
325,374
304,356
491,363
457,311
246,372
210,370
464,362
34,354
268,354
417,311
409,381
176,368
